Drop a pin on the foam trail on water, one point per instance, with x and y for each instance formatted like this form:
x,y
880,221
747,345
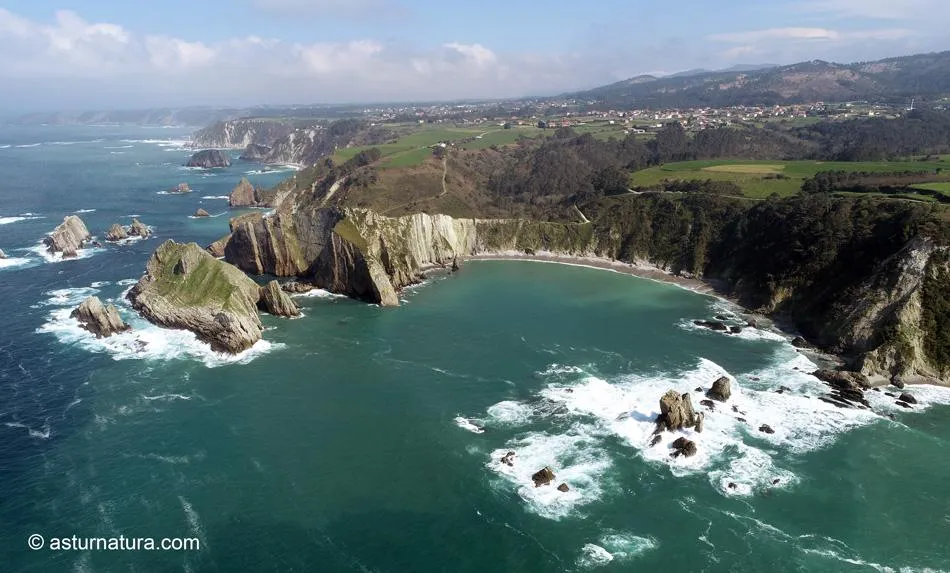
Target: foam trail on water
x,y
18,218
469,425
41,250
15,262
144,342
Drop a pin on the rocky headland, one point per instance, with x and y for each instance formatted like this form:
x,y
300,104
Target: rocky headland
x,y
70,236
255,152
209,159
185,287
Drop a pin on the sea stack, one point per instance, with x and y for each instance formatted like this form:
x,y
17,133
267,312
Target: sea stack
x,y
139,229
116,233
243,195
275,301
68,237
201,213
209,159
101,320
185,287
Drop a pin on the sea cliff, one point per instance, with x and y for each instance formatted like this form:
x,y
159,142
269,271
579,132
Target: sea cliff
x,y
888,331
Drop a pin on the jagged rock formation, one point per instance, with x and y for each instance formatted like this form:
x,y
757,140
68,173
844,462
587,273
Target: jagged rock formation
x,y
201,213
721,390
2,254
243,195
137,229
255,152
185,287
209,159
543,476
217,248
181,188
116,233
273,300
683,447
676,412
101,320
68,237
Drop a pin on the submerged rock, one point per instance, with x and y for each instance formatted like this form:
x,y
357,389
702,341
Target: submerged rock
x,y
297,287
116,233
70,236
766,429
103,321
543,477
201,213
275,301
563,488
656,440
185,287
209,159
508,459
676,411
721,390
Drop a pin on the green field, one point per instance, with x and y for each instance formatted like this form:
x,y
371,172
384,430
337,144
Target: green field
x,y
943,188
758,179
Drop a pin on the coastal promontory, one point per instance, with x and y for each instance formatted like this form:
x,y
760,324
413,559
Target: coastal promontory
x,y
70,236
209,159
185,287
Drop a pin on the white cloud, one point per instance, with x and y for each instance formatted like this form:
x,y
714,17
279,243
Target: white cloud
x,y
97,61
376,10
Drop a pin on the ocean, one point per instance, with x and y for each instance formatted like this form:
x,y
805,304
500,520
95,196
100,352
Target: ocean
x,y
357,438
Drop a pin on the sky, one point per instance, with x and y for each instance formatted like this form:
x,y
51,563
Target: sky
x,y
108,54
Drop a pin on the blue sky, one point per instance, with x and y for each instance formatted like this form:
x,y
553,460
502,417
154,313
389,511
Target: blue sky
x,y
102,53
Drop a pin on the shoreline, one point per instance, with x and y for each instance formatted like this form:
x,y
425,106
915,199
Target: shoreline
x,y
651,272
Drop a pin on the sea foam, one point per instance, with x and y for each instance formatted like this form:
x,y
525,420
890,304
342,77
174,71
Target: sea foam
x,y
144,342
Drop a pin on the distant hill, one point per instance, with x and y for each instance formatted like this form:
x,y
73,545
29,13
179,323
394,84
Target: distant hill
x,y
922,76
191,116
736,68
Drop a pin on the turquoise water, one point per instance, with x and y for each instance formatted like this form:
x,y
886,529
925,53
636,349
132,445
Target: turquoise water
x,y
346,442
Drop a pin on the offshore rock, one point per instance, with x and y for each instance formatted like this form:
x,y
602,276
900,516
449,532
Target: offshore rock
x,y
721,390
2,254
185,287
712,325
843,379
683,447
116,233
543,477
243,195
564,488
201,213
139,229
68,237
103,321
909,398
275,301
676,411
209,159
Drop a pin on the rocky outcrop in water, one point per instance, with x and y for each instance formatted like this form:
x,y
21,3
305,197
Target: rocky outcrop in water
x,y
209,159
68,237
2,254
243,195
137,229
676,412
185,287
273,300
543,476
180,189
721,390
116,233
683,447
101,320
201,213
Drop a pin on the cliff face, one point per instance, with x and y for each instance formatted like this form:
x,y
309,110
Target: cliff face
x,y
864,296
209,159
240,133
